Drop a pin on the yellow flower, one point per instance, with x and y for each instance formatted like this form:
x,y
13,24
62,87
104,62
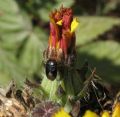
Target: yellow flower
x,y
105,114
116,110
61,113
89,113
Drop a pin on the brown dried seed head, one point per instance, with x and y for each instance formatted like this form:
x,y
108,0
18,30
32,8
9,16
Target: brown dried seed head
x,y
45,109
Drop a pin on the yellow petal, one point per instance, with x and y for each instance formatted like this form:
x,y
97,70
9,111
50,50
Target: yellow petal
x,y
89,113
74,24
59,22
116,110
105,114
58,45
61,113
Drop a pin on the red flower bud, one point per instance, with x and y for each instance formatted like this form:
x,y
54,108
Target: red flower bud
x,y
62,36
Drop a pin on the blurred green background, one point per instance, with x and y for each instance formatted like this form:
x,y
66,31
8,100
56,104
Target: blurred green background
x,y
24,31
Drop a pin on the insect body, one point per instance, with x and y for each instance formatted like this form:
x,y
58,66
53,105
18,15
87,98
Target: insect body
x,y
51,69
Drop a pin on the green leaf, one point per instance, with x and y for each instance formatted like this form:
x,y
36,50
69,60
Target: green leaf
x,y
105,57
50,88
91,27
14,28
4,79
14,25
9,68
32,54
18,35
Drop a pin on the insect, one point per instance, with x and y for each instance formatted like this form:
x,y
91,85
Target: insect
x,y
54,64
51,69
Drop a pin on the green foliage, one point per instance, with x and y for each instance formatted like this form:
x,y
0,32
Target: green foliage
x,y
14,27
9,69
111,5
50,88
105,57
20,41
92,27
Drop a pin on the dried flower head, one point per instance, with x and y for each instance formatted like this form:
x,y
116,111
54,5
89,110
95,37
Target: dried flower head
x,y
45,109
49,109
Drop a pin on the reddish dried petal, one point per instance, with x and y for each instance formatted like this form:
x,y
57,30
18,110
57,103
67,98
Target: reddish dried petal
x,y
65,48
67,18
67,21
53,33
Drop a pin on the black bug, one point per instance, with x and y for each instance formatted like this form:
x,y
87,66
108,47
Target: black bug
x,y
51,69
